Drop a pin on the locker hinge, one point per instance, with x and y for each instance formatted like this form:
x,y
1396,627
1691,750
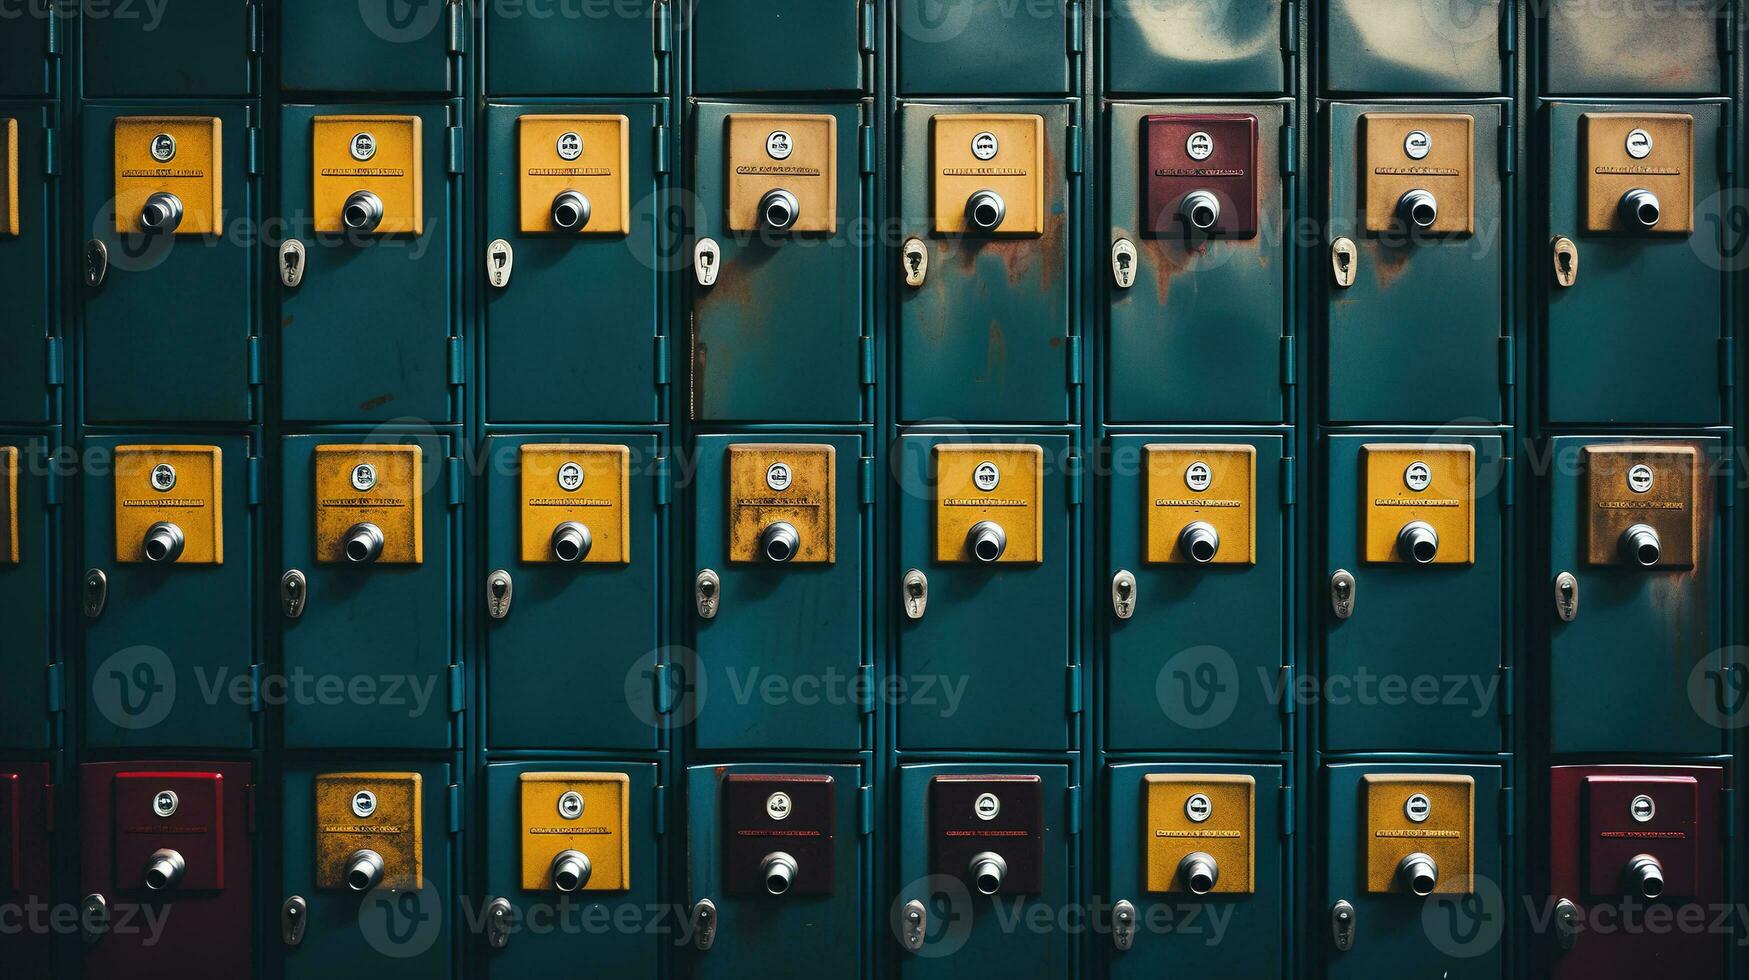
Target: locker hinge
x,y
662,356
53,44
1290,494
55,681
1074,476
1286,812
866,810
1508,149
660,136
52,370
253,472
1727,149
1290,26
664,483
1077,26
455,808
866,677
255,372
252,137
1074,686
1727,35
1506,696
659,807
1728,804
1287,690
1727,362
1728,477
1290,150
866,355
1508,30
255,29
664,22
51,152
866,142
255,689
1074,139
868,27
1508,483
662,689
54,487
458,689
250,807
458,27
458,151
457,362
50,799
1074,355
1289,377
458,481
1508,362
865,474
1508,820
1072,800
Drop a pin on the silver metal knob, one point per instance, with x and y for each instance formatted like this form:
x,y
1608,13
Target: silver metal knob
x,y
778,210
987,541
571,542
164,870
985,210
779,870
570,210
571,871
164,543
1199,872
779,542
1418,873
1640,545
988,870
364,543
162,212
1418,209
1199,542
1418,542
1646,876
1200,210
364,870
362,212
1640,209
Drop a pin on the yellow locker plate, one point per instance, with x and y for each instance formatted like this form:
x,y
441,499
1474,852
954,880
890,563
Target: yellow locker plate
x,y
1201,813
9,505
772,484
1654,487
1625,153
379,485
795,154
576,484
587,812
171,165
178,486
1406,152
586,156
1410,813
1194,491
376,811
359,160
998,153
9,179
1410,489
980,485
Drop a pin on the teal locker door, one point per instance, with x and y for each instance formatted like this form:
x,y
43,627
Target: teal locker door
x,y
387,625
1417,335
571,333
964,930
985,47
1416,666
573,632
986,661
168,328
1638,666
25,252
366,334
777,334
575,50
1197,335
29,68
1221,935
1201,658
1455,934
394,930
371,45
986,337
776,663
1433,47
1233,47
1636,336
28,569
801,935
557,933
181,49
1641,49
168,656
821,44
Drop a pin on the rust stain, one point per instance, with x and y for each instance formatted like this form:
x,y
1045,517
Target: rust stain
x,y
375,403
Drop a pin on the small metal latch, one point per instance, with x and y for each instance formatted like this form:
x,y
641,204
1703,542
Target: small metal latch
x,y
499,588
96,592
707,260
1567,596
294,592
1123,925
500,257
1123,593
1566,262
1123,263
1342,925
913,925
1344,261
498,922
708,592
293,916
93,917
1342,588
292,260
916,593
915,258
704,924
96,262
1566,924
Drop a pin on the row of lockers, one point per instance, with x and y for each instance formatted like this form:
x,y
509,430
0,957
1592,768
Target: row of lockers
x,y
771,869
193,48
1418,588
1411,265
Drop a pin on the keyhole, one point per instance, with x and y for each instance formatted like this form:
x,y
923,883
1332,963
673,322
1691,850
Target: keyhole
x,y
915,589
499,587
707,589
1123,262
291,263
498,259
1342,262
915,260
1123,588
708,258
1566,263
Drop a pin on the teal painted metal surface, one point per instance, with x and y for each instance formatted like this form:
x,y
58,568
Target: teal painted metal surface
x,y
555,662
1211,49
25,263
1639,50
27,70
1415,47
26,604
777,46
368,45
947,49
600,50
179,50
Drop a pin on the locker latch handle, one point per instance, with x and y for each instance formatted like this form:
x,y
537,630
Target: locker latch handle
x,y
293,916
913,925
1342,925
498,921
1123,925
704,924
